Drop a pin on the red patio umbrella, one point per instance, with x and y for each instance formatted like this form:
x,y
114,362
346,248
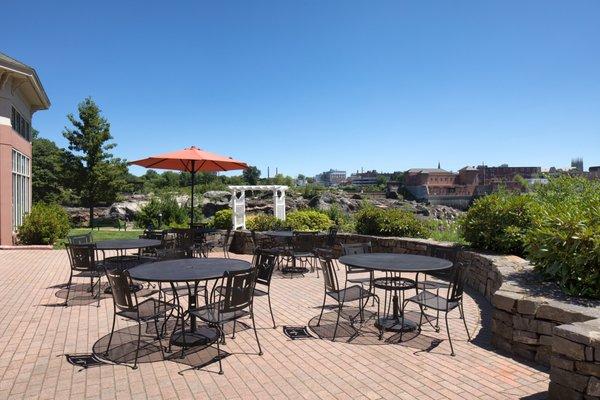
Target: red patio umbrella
x,y
191,159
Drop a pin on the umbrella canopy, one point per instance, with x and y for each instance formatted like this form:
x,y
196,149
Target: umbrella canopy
x,y
191,159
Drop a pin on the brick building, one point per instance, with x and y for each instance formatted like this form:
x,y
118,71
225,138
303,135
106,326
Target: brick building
x,y
21,95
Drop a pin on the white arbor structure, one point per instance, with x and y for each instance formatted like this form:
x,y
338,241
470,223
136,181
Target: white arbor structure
x,y
238,202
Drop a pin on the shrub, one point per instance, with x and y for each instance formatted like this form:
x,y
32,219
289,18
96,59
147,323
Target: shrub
x,y
499,222
263,222
308,220
162,211
564,243
389,222
223,218
446,231
45,224
343,221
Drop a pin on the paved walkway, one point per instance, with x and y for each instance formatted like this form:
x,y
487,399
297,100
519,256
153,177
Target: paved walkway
x,y
35,334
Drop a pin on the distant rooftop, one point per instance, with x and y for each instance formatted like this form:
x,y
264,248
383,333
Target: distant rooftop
x,y
427,170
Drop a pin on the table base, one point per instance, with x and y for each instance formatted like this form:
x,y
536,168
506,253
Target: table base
x,y
393,324
202,336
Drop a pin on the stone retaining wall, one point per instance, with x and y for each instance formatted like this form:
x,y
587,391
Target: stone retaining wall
x,y
529,319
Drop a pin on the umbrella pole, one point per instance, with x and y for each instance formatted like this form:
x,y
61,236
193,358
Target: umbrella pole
x,y
193,176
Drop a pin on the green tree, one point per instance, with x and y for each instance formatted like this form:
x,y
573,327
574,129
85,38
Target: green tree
x,y
46,170
100,175
251,175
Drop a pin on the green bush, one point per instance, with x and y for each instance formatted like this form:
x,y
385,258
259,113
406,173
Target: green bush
x,y
308,220
162,211
45,224
499,222
223,218
389,222
564,243
263,222
343,221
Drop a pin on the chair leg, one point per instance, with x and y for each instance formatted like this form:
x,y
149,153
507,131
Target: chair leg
x,y
337,322
449,338
234,326
271,308
158,337
112,331
68,288
322,309
260,353
219,350
99,290
139,341
462,315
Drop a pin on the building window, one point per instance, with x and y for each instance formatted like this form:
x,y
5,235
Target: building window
x,y
20,124
21,176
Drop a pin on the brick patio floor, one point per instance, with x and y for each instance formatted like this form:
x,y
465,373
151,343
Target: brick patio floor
x,y
35,334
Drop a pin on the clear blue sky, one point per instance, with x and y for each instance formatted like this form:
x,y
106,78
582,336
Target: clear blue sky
x,y
311,85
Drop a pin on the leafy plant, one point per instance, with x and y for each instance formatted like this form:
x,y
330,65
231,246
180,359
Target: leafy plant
x,y
500,221
45,224
308,220
263,222
389,222
162,211
222,219
564,243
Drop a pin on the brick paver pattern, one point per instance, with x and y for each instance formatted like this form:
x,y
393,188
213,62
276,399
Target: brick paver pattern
x,y
35,333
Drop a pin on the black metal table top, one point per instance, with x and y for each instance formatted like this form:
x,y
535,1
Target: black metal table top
x,y
187,269
396,262
127,244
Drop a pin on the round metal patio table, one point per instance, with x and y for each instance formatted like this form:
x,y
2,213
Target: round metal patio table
x,y
126,244
188,270
391,262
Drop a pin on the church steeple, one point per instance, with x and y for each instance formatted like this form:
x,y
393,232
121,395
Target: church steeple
x,y
439,167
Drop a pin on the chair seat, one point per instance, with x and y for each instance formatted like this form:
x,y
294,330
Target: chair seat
x,y
394,283
351,293
91,273
433,301
181,289
148,309
364,279
299,254
432,285
213,315
259,292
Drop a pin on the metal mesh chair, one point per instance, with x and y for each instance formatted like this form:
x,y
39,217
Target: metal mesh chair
x,y
440,280
224,242
339,295
126,305
331,238
264,262
453,299
352,272
231,299
84,264
85,238
302,252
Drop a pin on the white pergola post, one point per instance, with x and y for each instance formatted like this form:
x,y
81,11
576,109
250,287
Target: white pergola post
x,y
238,202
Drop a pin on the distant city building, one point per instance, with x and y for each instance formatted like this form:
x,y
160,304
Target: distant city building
x,y
504,173
331,178
458,189
577,164
364,178
594,172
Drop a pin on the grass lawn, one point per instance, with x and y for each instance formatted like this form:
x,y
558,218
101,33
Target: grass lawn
x,y
102,234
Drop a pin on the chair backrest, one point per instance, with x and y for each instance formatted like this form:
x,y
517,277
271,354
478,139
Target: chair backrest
x,y
236,291
357,248
331,236
155,235
457,282
447,253
184,239
120,284
304,241
80,239
82,256
264,262
329,274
